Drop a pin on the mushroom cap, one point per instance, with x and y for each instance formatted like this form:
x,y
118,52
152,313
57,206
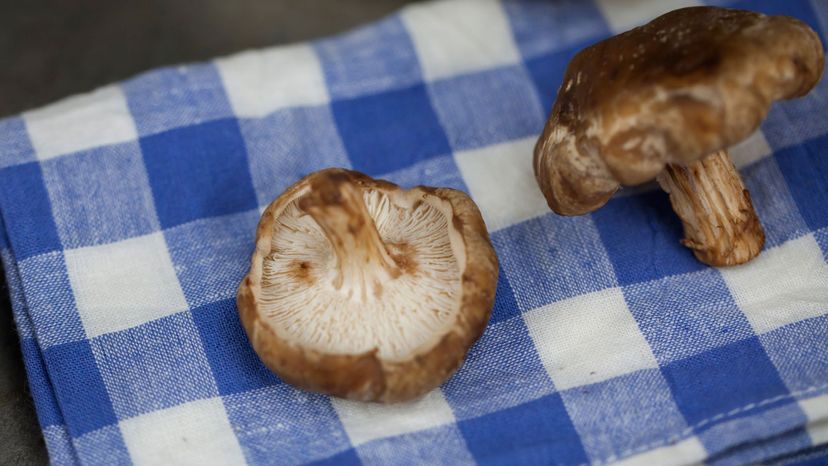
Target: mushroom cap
x,y
689,83
395,343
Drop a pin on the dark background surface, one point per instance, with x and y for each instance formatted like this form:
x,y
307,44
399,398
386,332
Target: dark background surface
x,y
50,50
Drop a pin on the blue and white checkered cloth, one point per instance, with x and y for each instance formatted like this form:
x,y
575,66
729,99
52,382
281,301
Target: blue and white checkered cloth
x,y
129,215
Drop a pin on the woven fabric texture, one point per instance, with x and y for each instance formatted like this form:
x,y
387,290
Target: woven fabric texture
x,y
128,219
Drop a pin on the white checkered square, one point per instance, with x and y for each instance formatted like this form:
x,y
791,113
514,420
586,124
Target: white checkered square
x,y
261,82
124,284
818,432
588,339
369,421
80,122
627,14
196,433
501,182
687,451
816,409
751,150
459,36
818,429
782,285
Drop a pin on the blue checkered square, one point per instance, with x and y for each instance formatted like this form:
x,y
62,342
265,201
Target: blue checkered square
x,y
281,152
488,107
547,72
173,97
505,306
88,207
773,202
285,423
50,301
212,255
27,212
796,121
734,375
805,169
619,418
4,243
48,412
103,446
439,445
536,432
182,163
379,141
501,370
543,27
369,60
15,147
235,366
798,351
437,172
550,258
820,9
642,234
346,458
154,366
678,322
82,395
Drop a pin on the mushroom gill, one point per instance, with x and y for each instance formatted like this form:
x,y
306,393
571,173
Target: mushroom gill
x,y
360,289
377,270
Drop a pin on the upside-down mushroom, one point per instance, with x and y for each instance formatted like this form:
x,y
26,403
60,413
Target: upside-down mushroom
x,y
665,101
366,291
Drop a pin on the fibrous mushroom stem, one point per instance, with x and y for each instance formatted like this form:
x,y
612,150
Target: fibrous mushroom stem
x,y
720,224
362,261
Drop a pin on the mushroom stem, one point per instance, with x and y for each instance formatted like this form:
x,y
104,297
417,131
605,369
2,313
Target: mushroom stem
x,y
362,261
720,225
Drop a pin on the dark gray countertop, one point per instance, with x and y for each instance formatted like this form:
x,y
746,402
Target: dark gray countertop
x,y
52,49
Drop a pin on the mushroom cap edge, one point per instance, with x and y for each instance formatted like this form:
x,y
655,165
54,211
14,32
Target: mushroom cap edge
x,y
366,377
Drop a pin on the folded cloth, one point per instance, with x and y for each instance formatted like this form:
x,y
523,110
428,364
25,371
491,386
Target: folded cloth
x,y
129,216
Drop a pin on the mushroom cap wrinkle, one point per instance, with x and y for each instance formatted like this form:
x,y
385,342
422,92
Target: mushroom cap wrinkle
x,y
363,290
691,82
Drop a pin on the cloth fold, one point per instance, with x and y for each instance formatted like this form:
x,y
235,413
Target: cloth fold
x,y
128,217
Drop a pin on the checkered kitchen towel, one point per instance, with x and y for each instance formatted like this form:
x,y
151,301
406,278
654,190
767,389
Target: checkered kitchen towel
x,y
130,212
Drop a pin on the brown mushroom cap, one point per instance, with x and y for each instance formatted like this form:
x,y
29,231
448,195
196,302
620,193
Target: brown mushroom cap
x,y
362,290
687,84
